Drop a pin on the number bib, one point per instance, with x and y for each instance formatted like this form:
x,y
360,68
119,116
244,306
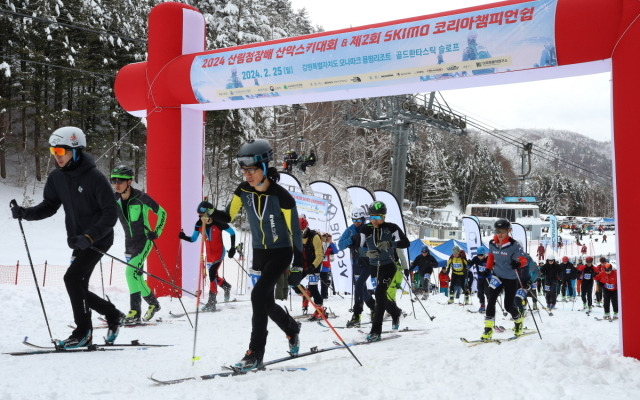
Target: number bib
x,y
495,282
547,288
521,294
610,286
587,276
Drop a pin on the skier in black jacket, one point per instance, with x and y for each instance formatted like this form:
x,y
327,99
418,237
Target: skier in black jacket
x,y
90,214
425,263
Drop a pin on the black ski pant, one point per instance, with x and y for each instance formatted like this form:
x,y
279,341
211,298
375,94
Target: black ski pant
x,y
325,283
76,280
384,275
482,289
599,290
272,263
587,292
510,286
551,293
610,296
361,274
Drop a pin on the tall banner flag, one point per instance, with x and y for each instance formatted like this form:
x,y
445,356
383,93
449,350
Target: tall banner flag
x,y
360,197
336,223
520,234
553,232
290,183
472,234
394,212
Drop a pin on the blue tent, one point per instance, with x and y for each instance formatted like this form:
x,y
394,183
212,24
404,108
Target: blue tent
x,y
446,247
416,246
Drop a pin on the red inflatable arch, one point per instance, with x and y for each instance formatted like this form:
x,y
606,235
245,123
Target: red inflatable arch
x,y
590,36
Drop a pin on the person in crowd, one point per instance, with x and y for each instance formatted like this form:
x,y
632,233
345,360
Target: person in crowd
x,y
134,207
350,239
444,279
329,250
379,241
551,278
599,285
609,279
90,214
505,258
425,263
276,239
569,274
457,264
479,264
540,252
312,256
211,226
587,275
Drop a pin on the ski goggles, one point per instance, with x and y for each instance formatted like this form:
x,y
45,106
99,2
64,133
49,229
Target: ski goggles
x,y
356,220
57,151
502,230
117,181
249,171
376,217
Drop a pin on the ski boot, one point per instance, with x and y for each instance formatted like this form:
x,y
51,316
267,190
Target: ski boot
x,y
132,318
518,328
395,322
466,300
251,360
482,308
211,303
450,300
354,322
607,316
535,306
373,337
227,291
317,315
77,340
615,315
488,329
294,342
154,307
113,326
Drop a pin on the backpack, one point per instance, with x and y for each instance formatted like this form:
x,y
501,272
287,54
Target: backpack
x,y
308,252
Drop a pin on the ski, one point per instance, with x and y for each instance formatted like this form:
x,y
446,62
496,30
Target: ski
x,y
363,342
472,343
606,319
406,329
330,315
133,343
229,372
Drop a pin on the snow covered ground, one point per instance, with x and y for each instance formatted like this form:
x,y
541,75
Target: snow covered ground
x,y
577,358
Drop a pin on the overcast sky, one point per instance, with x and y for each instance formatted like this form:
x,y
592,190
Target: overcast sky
x,y
580,104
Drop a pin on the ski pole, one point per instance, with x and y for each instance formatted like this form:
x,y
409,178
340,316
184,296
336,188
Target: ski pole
x,y
102,278
14,203
166,270
419,302
202,267
141,270
529,305
321,312
241,267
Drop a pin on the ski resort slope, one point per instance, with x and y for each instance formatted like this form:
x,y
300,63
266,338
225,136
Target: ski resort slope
x,y
577,357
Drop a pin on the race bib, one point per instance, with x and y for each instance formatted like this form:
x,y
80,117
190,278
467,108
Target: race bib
x,y
521,293
374,283
426,276
610,286
495,282
457,266
568,271
313,279
587,276
547,288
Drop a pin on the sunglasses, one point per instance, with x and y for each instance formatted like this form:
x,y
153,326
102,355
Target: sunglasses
x,y
117,181
357,220
249,171
374,217
57,151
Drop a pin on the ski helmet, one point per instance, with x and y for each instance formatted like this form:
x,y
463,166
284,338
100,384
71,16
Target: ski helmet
x,y
551,258
68,137
253,152
378,208
589,259
358,213
304,224
424,249
502,224
482,250
122,171
565,259
204,207
455,250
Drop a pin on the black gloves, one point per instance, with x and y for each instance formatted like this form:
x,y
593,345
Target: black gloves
x,y
80,242
231,252
151,235
139,271
515,264
486,273
407,273
18,212
182,236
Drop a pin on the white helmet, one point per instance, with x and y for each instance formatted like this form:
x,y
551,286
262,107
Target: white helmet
x,y
68,137
358,213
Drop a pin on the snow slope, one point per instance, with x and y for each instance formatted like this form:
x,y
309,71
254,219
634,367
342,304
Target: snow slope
x,y
577,358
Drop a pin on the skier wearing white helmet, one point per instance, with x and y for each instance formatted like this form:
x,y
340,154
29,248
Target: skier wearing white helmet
x,y
90,214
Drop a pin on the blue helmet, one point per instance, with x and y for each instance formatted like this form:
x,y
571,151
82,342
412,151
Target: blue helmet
x,y
482,250
424,249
